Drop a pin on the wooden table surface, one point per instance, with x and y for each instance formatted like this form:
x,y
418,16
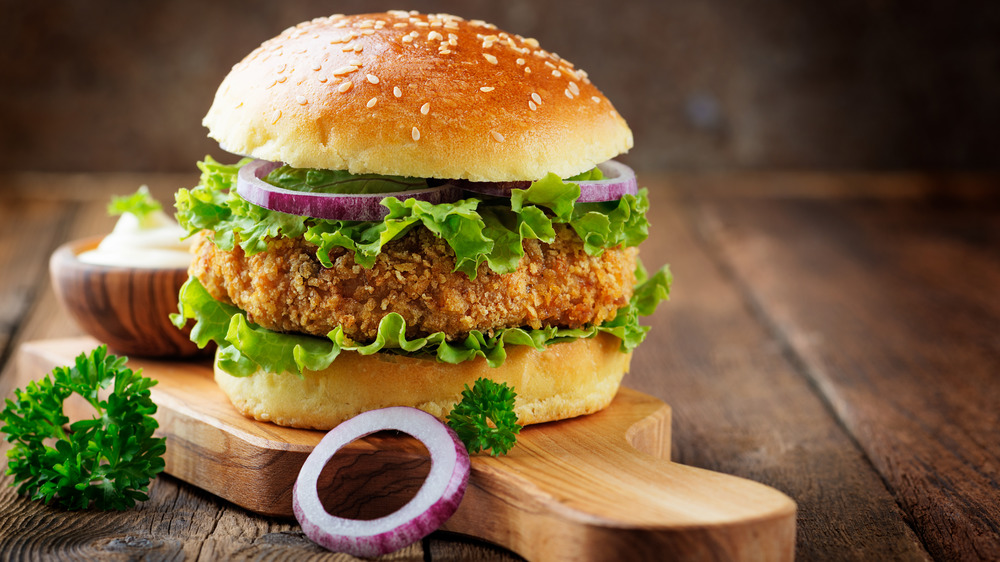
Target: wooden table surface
x,y
835,336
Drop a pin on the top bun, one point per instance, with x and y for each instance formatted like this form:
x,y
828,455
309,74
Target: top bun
x,y
402,93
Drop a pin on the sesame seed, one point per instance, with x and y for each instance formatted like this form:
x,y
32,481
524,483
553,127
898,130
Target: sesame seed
x,y
451,25
532,105
536,97
282,79
596,99
568,93
372,78
317,66
301,100
406,39
531,42
415,133
354,62
445,51
372,102
435,36
490,58
277,115
426,108
358,48
345,86
556,73
527,70
520,62
282,68
368,32
497,136
341,23
348,47
574,88
345,70
487,44
397,92
399,24
486,88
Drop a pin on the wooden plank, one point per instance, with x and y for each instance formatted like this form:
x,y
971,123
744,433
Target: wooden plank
x,y
576,489
741,406
891,308
29,230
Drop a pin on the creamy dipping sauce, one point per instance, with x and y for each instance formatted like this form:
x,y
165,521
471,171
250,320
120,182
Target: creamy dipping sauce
x,y
154,244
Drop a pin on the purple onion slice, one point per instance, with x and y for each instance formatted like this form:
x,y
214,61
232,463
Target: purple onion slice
x,y
333,206
435,502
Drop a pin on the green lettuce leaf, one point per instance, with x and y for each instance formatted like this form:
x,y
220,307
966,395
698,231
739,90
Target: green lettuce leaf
x,y
490,230
245,346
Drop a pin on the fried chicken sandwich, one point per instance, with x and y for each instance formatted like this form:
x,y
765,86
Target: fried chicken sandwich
x,y
423,201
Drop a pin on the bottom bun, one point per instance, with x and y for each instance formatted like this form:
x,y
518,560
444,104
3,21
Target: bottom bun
x,y
566,380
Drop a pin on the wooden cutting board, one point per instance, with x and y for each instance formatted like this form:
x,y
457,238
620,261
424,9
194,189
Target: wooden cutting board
x,y
599,487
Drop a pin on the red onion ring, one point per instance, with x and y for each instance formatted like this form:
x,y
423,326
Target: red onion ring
x,y
333,206
619,181
435,502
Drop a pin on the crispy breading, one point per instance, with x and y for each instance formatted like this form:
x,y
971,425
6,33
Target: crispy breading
x,y
287,289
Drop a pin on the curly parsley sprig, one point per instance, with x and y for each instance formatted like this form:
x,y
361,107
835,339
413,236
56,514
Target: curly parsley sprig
x,y
106,461
141,204
485,418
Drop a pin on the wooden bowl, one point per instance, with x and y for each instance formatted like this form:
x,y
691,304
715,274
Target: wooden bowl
x,y
127,308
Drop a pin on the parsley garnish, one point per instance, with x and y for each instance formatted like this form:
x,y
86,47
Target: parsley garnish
x,y
106,461
141,204
485,417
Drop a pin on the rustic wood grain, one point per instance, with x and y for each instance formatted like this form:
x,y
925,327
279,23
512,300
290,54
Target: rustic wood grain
x,y
741,405
127,308
891,310
773,368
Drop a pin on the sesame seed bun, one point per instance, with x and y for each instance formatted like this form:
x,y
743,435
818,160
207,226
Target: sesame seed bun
x,y
566,380
416,95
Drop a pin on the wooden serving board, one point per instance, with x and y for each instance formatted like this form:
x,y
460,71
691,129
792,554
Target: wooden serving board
x,y
597,487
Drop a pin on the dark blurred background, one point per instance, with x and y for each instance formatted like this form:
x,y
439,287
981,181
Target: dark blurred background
x,y
705,85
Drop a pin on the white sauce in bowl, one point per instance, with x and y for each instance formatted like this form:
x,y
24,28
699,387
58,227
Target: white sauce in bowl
x,y
156,243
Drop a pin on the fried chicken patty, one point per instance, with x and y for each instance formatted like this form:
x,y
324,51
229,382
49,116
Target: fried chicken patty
x,y
287,289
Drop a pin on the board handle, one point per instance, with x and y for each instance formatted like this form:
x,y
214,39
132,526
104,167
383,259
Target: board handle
x,y
603,489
